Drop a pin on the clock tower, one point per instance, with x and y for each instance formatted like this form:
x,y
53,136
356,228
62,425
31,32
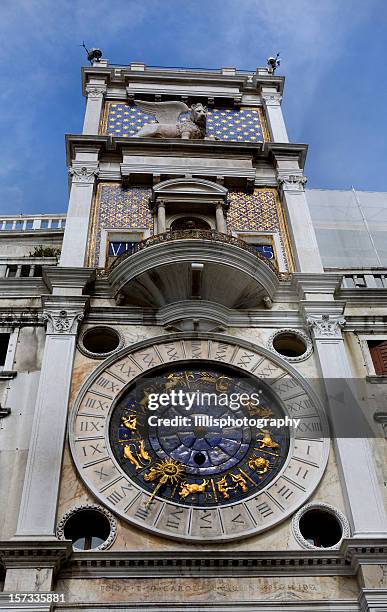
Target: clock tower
x,y
190,269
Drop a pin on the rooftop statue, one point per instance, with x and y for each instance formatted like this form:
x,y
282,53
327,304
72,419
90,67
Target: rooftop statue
x,y
168,124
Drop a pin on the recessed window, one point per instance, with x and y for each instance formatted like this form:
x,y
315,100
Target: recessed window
x,y
11,271
320,528
320,525
100,341
4,342
89,527
378,352
289,344
25,271
187,223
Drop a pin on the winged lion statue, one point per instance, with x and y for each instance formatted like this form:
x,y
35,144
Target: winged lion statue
x,y
168,124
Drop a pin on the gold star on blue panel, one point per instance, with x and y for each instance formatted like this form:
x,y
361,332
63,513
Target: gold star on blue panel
x,y
233,122
227,124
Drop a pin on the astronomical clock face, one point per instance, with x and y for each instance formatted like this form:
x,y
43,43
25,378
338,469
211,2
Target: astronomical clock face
x,y
202,471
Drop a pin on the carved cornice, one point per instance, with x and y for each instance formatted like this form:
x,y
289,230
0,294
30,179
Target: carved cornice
x,y
292,182
84,175
166,564
368,550
326,326
62,321
21,318
28,553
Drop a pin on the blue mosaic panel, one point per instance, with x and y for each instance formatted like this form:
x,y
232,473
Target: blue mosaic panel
x,y
257,211
226,124
121,208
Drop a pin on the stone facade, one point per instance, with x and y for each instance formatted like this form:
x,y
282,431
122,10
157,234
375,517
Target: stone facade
x,y
186,251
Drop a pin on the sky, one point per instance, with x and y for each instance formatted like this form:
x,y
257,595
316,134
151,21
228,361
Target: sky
x,y
333,56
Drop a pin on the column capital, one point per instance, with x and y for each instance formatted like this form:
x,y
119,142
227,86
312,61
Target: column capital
x,y
326,326
83,174
292,182
95,92
62,321
272,98
63,316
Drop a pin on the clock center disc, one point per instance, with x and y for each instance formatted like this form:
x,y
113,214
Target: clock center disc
x,y
205,453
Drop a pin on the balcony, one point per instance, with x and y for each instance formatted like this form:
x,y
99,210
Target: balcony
x,y
32,223
193,265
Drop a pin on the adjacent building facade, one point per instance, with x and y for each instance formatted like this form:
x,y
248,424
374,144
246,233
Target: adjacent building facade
x,y
191,253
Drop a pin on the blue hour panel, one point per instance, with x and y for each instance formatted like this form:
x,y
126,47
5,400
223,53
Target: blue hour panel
x,y
265,250
118,248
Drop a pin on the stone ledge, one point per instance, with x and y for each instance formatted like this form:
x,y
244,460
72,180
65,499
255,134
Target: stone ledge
x,y
205,563
29,553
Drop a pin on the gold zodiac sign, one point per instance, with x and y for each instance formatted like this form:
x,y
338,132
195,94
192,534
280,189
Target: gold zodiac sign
x,y
224,488
130,422
151,475
221,382
167,471
259,411
267,440
239,481
140,458
190,488
143,453
174,379
259,463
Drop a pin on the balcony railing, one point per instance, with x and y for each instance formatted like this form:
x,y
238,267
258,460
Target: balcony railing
x,y
27,223
365,280
193,234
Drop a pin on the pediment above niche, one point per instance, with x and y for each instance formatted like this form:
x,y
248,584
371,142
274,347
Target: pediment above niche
x,y
186,188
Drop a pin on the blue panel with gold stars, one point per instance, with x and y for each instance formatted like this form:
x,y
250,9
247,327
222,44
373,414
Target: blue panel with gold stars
x,y
227,124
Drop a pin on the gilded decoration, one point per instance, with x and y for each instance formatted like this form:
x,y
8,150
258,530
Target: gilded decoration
x,y
118,207
227,124
260,211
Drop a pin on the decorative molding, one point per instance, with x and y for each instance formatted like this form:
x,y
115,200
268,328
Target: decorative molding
x,y
21,553
4,412
345,528
326,326
95,92
21,318
82,349
84,175
272,99
62,321
292,182
112,522
208,564
296,332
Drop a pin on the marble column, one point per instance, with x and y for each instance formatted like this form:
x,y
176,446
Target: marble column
x,y
38,506
95,92
353,454
220,222
161,225
83,172
272,104
304,242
